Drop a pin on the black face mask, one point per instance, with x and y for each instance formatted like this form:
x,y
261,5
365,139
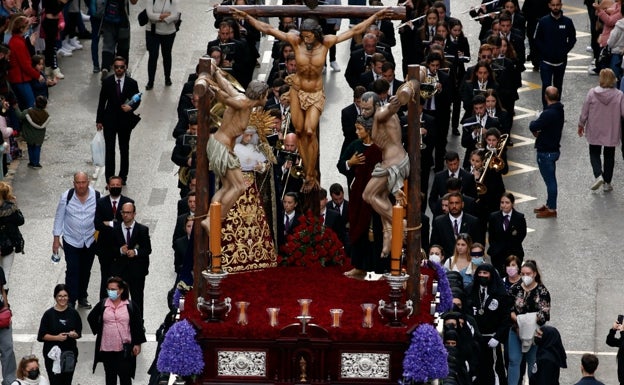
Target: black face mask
x,y
456,308
33,374
483,281
115,191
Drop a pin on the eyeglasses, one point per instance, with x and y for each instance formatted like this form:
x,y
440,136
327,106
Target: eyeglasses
x,y
119,67
127,212
486,56
29,357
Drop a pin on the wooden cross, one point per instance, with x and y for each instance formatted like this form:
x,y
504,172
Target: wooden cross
x,y
338,11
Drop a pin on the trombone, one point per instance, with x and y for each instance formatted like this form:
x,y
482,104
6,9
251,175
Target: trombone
x,y
497,163
297,172
481,188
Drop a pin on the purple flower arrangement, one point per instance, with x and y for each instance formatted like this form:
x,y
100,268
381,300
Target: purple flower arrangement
x,y
426,358
446,296
180,353
177,294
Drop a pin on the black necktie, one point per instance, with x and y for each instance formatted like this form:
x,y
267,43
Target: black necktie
x,y
118,88
128,235
114,209
455,228
506,222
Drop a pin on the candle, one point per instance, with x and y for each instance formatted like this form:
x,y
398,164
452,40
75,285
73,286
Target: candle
x,y
434,287
305,306
335,315
273,313
432,308
215,236
368,308
397,239
242,312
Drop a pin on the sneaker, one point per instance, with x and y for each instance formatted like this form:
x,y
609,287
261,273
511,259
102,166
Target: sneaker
x,y
57,73
96,69
63,52
592,70
334,66
67,46
37,166
75,43
104,74
589,49
84,304
597,183
607,187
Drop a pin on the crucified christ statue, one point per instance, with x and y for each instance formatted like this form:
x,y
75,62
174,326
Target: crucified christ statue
x,y
307,97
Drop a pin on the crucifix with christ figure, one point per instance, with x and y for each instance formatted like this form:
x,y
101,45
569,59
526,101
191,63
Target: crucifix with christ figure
x,y
307,96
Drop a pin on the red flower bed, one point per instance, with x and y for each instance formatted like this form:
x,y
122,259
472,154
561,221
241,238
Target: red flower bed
x,y
328,289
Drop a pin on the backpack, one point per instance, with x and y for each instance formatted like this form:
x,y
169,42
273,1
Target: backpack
x,y
70,194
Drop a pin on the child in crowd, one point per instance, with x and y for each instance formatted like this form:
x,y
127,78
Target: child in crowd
x,y
39,88
34,123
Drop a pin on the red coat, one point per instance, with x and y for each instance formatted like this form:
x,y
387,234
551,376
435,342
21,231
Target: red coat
x,y
20,65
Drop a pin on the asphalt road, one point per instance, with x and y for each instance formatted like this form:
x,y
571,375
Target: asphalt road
x,y
578,253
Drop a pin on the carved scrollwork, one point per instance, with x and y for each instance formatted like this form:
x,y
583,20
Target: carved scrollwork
x,y
365,365
241,363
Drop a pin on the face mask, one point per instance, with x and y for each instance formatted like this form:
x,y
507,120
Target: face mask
x,y
456,308
483,281
115,191
112,294
477,260
512,271
435,258
33,374
527,280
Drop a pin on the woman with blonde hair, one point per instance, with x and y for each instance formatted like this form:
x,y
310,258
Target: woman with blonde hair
x,y
28,372
600,122
461,261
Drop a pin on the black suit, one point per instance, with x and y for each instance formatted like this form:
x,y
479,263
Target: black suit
x,y
105,247
439,106
387,29
467,140
133,270
334,221
348,117
442,232
116,122
281,233
357,65
180,226
438,188
504,243
180,246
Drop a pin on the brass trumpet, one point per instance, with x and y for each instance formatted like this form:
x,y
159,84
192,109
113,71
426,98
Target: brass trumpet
x,y
497,163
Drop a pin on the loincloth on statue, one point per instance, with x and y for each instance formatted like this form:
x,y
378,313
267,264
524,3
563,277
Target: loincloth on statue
x,y
307,99
220,157
395,173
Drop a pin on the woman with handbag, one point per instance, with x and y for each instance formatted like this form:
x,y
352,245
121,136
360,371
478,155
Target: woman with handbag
x,y
160,33
117,322
28,372
10,237
60,327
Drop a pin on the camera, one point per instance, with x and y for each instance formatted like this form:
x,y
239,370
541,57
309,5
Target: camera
x,y
620,319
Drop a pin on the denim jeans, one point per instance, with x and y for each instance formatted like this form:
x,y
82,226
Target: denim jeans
x,y
34,154
514,348
24,93
546,161
551,76
609,161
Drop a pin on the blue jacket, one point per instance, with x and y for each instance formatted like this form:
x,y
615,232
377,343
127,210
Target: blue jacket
x,y
554,38
550,126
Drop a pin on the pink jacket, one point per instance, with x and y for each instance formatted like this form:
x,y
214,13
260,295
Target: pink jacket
x,y
600,116
608,22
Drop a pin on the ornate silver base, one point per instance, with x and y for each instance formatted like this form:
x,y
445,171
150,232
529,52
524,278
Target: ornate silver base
x,y
394,310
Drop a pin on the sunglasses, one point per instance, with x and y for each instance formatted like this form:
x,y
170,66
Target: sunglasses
x,y
119,67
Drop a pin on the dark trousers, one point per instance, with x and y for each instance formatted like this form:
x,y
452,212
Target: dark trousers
x,y
57,379
154,41
115,42
591,12
95,40
115,365
597,166
552,76
491,364
105,274
34,154
137,286
535,54
79,262
442,120
50,28
110,137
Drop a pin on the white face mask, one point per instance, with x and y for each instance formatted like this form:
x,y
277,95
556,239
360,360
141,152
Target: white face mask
x,y
435,258
527,280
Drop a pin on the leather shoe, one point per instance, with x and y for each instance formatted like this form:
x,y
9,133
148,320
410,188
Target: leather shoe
x,y
540,209
149,86
84,304
548,213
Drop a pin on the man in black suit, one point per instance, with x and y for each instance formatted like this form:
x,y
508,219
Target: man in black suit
x,y
445,228
387,71
107,213
181,221
474,128
114,115
180,247
134,248
235,56
337,202
360,59
332,218
439,105
514,37
290,219
348,117
507,228
438,188
374,72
